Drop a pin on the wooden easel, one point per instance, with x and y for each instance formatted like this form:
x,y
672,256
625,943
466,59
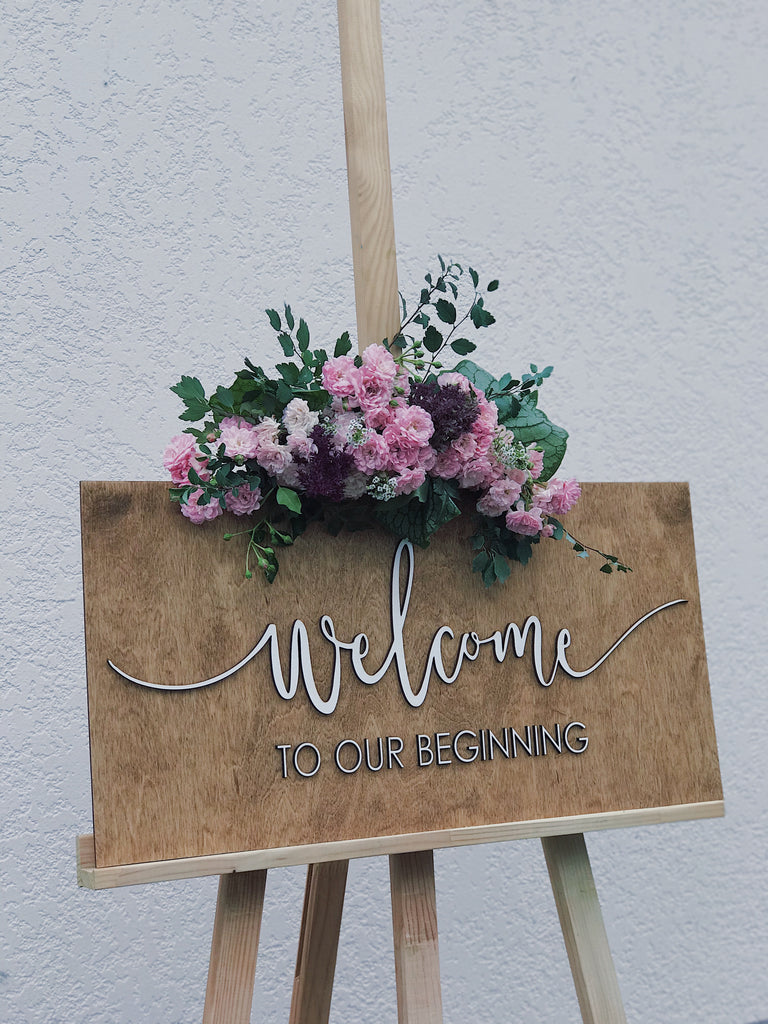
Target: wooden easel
x,y
414,916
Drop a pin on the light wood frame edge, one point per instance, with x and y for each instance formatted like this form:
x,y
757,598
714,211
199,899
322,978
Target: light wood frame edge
x,y
91,877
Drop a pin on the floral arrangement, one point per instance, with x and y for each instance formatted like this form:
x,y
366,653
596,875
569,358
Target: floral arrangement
x,y
390,436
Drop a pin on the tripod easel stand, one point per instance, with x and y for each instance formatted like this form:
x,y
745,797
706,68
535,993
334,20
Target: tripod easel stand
x,y
414,918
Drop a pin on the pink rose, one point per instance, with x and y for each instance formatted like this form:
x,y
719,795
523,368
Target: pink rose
x,y
371,456
297,417
409,480
536,459
410,427
273,457
245,502
527,523
200,513
181,455
340,376
239,437
501,495
564,495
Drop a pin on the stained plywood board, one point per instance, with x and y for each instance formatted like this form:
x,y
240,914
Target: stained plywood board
x,y
184,773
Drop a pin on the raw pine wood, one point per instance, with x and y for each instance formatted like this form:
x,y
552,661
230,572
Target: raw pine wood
x,y
594,975
196,773
368,171
235,943
91,877
318,942
414,926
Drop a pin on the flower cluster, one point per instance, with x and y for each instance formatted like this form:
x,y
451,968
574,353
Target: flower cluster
x,y
388,436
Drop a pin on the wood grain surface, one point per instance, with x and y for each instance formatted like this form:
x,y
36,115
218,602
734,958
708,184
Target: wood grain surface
x,y
196,773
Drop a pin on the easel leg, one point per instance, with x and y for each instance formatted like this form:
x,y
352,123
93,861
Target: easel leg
x,y
594,975
318,942
414,923
229,996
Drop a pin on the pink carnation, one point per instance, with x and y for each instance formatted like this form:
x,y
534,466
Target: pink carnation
x,y
528,523
200,513
245,502
564,495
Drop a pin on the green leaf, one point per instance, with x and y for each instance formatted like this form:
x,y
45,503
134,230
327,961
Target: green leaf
x,y
418,520
289,317
289,372
531,426
492,286
274,319
433,339
446,311
286,343
479,377
302,335
190,391
501,568
606,568
463,346
287,497
480,316
343,345
474,275
283,393
480,561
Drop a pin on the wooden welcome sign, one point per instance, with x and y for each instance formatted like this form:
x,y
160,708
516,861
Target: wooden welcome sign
x,y
378,698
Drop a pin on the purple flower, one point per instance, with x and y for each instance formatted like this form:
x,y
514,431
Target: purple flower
x,y
452,409
325,473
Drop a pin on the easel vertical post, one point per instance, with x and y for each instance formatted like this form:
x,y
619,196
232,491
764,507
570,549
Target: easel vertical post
x,y
414,922
378,317
235,943
581,920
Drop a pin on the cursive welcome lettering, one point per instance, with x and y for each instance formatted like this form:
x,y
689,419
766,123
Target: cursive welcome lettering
x,y
470,645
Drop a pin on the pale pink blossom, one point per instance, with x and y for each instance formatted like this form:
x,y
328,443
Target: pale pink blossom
x,y
298,417
465,446
371,456
447,464
525,522
564,495
536,459
180,456
300,445
456,378
378,365
200,513
410,427
239,437
409,480
355,485
340,376
273,457
501,495
245,501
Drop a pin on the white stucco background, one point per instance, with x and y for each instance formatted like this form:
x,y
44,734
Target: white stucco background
x,y
168,170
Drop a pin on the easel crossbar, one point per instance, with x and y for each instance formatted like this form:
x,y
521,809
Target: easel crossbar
x,y
89,876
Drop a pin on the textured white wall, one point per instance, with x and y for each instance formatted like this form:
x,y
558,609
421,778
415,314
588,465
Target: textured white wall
x,y
169,169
